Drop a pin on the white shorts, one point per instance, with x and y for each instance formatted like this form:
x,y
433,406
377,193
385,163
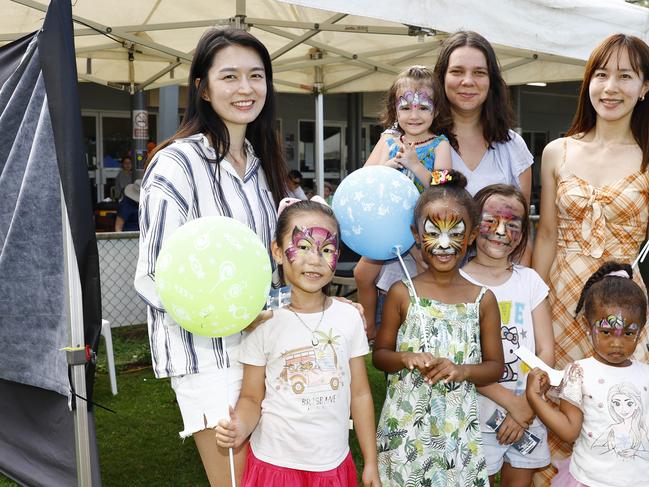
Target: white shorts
x,y
204,398
495,453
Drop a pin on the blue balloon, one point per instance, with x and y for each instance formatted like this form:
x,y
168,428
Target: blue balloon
x,y
375,207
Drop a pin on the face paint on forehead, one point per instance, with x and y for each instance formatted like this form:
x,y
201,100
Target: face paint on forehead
x,y
313,239
415,99
614,324
444,234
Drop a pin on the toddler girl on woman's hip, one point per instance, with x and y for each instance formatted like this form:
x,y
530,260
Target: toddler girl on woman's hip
x,y
409,146
440,337
604,399
525,321
306,366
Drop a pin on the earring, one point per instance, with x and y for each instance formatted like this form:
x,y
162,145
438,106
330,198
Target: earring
x,y
642,98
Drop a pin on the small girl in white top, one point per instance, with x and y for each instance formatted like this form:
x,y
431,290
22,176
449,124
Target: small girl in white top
x,y
604,399
304,370
526,321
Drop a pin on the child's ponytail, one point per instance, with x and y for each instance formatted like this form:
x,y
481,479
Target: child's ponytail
x,y
612,283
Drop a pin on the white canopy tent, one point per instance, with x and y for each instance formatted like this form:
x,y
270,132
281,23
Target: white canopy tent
x,y
330,46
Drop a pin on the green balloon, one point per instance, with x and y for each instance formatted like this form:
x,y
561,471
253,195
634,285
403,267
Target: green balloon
x,y
213,276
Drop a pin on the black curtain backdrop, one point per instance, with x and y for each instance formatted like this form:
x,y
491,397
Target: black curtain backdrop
x,y
37,445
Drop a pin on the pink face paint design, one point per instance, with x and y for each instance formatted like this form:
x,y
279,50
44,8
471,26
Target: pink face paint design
x,y
501,223
444,234
418,99
313,239
614,325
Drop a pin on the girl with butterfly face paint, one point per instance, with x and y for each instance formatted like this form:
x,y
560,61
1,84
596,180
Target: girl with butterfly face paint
x,y
439,339
525,321
409,146
307,366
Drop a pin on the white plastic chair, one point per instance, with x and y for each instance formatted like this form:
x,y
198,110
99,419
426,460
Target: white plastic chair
x,y
108,338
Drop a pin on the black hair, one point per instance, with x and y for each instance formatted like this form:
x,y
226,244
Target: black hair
x,y
602,288
200,117
294,173
453,188
284,221
507,190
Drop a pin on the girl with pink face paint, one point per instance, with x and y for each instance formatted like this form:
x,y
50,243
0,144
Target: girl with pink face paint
x,y
410,146
525,321
307,365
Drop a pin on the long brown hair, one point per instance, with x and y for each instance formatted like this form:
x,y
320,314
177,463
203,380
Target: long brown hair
x,y
586,117
419,75
201,118
497,115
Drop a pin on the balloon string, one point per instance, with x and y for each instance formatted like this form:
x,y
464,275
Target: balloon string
x,y
642,255
422,323
227,400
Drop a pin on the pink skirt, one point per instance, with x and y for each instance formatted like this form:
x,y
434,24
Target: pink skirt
x,y
261,474
564,478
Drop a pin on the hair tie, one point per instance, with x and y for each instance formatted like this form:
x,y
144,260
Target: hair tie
x,y
440,177
620,273
286,202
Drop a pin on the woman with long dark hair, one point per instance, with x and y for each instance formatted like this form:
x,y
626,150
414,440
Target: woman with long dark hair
x,y
224,160
595,193
474,111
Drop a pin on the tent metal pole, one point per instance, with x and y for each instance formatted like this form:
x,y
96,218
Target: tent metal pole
x,y
319,129
74,312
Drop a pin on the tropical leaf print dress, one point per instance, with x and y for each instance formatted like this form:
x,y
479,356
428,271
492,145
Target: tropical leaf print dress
x,y
430,435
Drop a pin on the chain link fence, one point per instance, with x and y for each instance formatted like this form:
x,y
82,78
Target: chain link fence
x,y
120,304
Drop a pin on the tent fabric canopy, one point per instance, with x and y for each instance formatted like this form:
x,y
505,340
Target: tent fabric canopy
x,y
330,45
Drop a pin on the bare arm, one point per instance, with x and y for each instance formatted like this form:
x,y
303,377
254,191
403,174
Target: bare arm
x,y
546,235
543,333
119,224
381,152
566,421
443,156
244,419
385,357
365,273
525,180
362,408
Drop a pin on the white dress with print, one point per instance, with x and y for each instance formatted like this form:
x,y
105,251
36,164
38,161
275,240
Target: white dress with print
x,y
613,445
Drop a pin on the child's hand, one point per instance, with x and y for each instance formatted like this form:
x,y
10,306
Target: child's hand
x,y
371,476
538,383
443,368
509,432
229,434
522,413
417,360
407,155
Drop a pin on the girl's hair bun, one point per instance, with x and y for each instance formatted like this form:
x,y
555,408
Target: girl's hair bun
x,y
449,177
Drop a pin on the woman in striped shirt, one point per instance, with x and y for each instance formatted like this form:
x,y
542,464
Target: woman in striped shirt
x,y
224,160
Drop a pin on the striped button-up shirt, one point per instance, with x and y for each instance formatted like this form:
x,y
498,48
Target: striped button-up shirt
x,y
181,184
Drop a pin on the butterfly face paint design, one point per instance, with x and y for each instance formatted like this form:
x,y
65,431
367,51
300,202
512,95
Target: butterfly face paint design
x,y
444,234
411,101
316,240
501,223
614,325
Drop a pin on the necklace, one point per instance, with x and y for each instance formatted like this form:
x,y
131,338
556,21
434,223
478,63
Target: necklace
x,y
315,341
420,142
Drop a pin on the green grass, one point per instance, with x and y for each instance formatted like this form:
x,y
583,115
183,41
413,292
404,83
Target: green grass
x,y
139,443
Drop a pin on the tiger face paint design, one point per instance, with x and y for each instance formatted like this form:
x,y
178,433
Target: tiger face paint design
x,y
444,234
313,240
